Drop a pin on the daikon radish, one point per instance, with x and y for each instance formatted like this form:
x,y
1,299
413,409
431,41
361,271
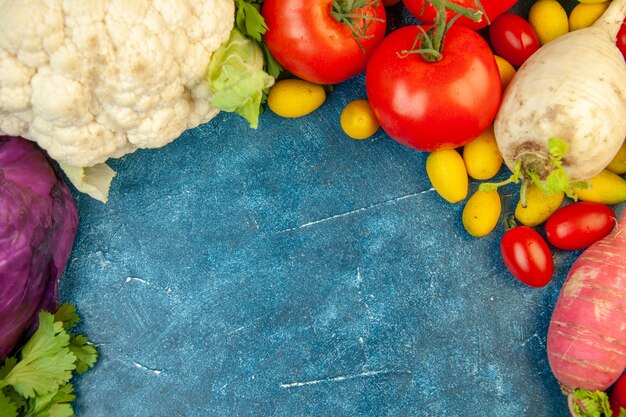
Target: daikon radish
x,y
573,90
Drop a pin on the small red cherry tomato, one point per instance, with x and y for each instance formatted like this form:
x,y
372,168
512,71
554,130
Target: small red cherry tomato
x,y
527,256
578,225
513,38
617,397
621,39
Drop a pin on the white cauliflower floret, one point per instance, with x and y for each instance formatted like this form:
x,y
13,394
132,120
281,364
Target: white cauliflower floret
x,y
91,80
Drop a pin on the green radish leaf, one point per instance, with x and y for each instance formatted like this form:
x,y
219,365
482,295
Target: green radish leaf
x,y
557,148
591,403
557,180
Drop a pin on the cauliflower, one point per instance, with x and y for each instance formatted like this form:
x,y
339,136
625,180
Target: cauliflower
x,y
98,79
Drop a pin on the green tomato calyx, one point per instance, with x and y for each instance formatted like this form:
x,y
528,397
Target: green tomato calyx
x,y
431,40
356,15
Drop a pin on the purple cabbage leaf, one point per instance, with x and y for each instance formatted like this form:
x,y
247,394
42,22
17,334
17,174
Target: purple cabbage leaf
x,y
38,223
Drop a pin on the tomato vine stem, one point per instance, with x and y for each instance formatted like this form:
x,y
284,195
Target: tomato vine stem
x,y
353,14
431,40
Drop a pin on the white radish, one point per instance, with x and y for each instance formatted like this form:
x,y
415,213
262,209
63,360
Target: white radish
x,y
574,89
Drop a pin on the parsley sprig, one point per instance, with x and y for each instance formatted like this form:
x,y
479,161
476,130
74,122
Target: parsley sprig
x,y
249,21
35,382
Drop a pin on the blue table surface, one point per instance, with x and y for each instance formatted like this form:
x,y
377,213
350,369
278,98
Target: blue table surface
x,y
292,271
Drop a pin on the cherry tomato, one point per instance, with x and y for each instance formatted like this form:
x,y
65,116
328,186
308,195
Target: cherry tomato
x,y
425,12
357,120
621,39
434,105
513,38
527,256
308,40
617,397
578,225
390,2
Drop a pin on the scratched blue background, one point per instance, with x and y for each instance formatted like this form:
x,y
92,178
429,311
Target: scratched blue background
x,y
292,271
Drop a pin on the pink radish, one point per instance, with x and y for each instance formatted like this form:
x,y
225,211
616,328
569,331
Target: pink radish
x,y
587,334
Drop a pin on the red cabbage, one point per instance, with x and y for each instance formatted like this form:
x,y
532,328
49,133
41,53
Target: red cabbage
x,y
38,222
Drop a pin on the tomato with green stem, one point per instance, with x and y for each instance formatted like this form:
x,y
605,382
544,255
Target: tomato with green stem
x,y
527,256
434,95
425,12
323,41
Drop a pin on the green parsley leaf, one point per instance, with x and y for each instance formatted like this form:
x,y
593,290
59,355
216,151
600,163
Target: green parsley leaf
x,y
54,404
18,401
58,410
46,362
85,352
272,66
34,383
7,408
250,23
67,314
9,364
249,20
591,403
622,412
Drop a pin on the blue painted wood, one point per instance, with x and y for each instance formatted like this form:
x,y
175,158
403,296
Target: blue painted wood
x,y
292,271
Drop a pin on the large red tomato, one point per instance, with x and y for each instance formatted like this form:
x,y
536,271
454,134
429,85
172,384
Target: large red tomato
x,y
434,105
310,39
425,12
